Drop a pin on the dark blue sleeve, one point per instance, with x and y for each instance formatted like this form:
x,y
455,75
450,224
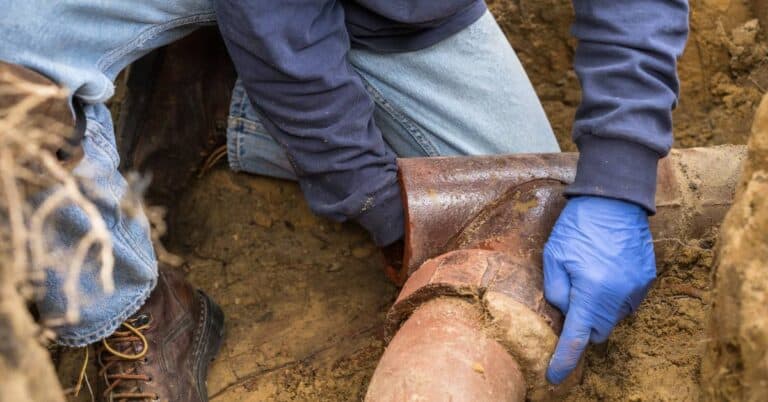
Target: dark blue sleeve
x,y
292,58
626,61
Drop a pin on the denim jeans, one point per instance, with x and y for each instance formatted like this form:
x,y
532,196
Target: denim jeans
x,y
466,95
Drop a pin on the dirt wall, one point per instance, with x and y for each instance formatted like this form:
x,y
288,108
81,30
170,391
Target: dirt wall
x,y
722,72
735,367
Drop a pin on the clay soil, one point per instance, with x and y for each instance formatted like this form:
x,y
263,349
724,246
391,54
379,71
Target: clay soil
x,y
305,298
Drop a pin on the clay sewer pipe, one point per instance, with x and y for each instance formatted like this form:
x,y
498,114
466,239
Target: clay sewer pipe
x,y
471,322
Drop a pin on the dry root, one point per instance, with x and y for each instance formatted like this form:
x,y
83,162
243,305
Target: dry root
x,y
34,186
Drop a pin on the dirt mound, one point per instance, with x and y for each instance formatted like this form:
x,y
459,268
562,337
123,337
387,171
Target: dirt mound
x,y
735,366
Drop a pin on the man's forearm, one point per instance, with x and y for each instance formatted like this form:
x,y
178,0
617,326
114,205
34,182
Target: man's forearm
x,y
626,62
293,63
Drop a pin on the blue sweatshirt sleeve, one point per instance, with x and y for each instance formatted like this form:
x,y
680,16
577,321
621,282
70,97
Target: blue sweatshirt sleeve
x,y
626,62
292,58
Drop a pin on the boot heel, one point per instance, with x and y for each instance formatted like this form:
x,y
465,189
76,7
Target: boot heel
x,y
215,326
211,337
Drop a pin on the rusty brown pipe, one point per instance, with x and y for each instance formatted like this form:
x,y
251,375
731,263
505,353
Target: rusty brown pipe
x,y
443,195
445,336
475,229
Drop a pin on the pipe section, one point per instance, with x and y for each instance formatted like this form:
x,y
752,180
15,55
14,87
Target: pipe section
x,y
444,354
453,201
475,230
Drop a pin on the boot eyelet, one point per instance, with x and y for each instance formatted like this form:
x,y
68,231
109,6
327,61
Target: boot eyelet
x,y
142,319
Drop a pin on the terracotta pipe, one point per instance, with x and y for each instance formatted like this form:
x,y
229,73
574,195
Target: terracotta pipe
x,y
476,227
445,336
447,198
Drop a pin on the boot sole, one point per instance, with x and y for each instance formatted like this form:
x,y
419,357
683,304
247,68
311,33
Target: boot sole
x,y
209,340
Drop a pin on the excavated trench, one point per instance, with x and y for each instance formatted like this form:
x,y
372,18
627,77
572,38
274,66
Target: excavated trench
x,y
306,299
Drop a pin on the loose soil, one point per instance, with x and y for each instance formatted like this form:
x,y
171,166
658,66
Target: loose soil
x,y
305,298
735,367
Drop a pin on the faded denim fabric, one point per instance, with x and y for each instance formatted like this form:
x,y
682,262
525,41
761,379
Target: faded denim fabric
x,y
83,45
465,95
135,269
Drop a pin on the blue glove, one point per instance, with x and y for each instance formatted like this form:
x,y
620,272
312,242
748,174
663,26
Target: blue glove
x,y
598,266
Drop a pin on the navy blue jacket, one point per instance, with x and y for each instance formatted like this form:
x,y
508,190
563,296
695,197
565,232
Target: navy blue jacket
x,y
291,56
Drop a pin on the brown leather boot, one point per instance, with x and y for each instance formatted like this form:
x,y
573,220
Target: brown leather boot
x,y
162,352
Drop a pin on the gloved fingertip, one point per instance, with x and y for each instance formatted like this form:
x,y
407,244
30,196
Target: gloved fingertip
x,y
563,362
554,376
573,340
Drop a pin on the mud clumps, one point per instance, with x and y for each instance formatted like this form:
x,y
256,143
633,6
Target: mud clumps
x,y
655,354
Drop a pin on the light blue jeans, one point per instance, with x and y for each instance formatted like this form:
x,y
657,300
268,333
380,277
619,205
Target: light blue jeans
x,y
466,95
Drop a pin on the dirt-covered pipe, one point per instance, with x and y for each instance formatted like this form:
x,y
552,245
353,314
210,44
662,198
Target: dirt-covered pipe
x,y
488,309
486,219
443,354
446,197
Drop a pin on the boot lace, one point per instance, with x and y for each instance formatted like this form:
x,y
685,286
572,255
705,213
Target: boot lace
x,y
119,367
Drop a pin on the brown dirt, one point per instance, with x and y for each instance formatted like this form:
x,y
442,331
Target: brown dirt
x,y
735,367
304,298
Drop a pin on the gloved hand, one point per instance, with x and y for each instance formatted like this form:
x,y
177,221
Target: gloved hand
x,y
598,266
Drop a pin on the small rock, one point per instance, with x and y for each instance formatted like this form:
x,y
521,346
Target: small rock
x,y
362,252
262,220
334,267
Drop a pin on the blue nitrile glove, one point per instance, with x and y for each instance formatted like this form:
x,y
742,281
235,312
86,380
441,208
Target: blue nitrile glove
x,y
598,266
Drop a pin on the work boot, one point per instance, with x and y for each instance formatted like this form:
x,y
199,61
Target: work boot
x,y
162,352
166,95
